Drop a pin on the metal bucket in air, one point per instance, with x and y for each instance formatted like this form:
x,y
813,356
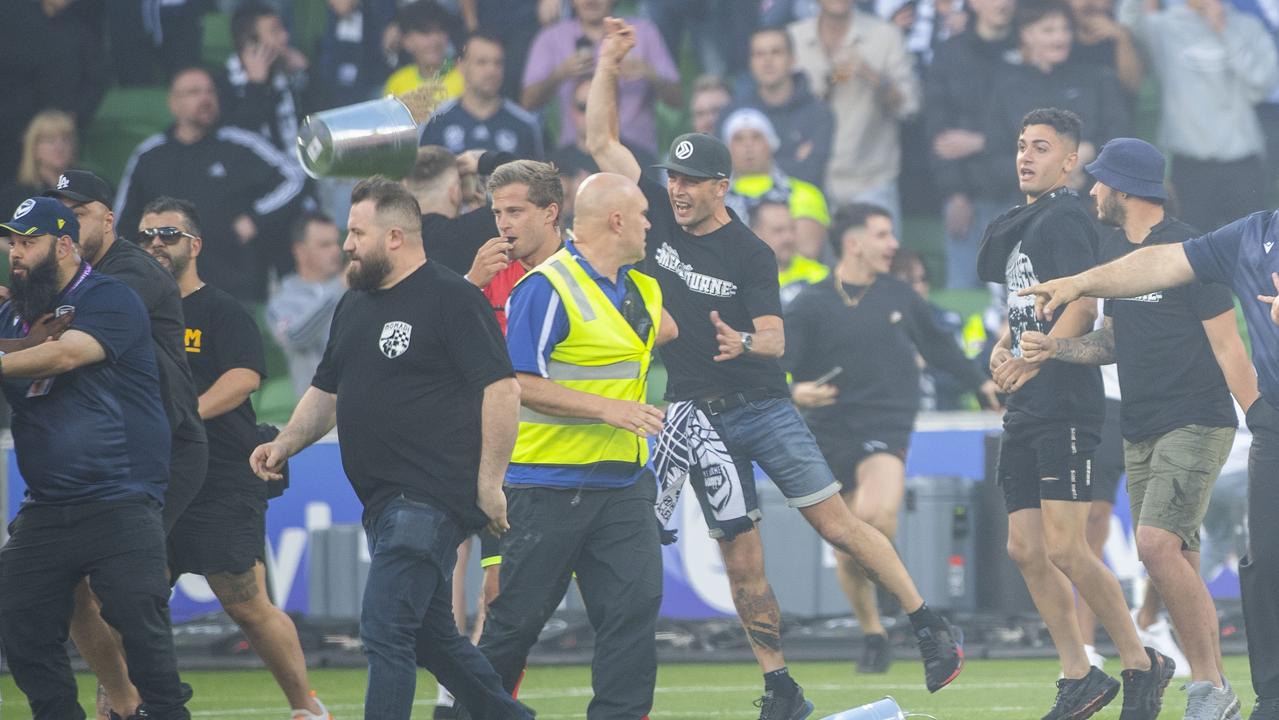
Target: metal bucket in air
x,y
378,137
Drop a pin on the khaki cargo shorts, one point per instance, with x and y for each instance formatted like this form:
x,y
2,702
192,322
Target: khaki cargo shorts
x,y
1170,478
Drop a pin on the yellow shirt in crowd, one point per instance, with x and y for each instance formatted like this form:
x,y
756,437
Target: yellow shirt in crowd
x,y
409,78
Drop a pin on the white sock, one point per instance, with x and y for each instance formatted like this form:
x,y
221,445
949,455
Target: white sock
x,y
443,698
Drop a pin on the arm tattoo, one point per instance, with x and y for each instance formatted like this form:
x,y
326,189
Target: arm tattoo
x,y
761,617
1095,348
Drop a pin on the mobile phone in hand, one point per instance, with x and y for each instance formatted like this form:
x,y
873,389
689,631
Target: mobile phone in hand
x,y
830,375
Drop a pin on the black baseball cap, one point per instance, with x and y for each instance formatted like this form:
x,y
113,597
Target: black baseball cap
x,y
42,216
81,186
700,156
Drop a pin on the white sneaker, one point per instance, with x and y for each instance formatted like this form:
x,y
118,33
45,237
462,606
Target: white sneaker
x,y
304,714
1159,637
1095,658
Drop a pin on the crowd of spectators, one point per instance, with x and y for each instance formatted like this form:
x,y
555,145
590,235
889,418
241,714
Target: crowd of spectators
x,y
909,104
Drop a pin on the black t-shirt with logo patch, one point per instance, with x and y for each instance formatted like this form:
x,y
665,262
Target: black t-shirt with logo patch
x,y
409,365
1168,374
222,336
729,270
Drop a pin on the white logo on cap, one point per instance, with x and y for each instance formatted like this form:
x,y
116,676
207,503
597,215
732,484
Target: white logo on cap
x,y
63,182
24,208
684,150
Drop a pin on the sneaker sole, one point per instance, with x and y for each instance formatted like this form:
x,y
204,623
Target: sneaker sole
x,y
1095,705
804,712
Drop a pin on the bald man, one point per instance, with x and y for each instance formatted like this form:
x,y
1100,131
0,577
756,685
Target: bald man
x,y
581,328
427,419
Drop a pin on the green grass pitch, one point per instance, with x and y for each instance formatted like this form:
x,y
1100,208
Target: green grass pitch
x,y
988,690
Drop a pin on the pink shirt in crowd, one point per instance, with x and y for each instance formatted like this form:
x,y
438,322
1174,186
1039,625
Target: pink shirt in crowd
x,y
556,43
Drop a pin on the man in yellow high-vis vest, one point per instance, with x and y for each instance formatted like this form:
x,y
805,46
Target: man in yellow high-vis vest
x,y
581,331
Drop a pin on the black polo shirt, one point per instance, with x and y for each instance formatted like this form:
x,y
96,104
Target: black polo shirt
x,y
1168,374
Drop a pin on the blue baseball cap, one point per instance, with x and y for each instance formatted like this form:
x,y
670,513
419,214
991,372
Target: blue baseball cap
x,y
42,216
1130,166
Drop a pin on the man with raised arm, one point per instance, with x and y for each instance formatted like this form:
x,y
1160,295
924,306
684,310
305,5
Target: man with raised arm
x,y
719,283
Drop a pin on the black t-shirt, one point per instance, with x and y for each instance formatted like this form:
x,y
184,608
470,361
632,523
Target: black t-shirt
x,y
133,266
729,270
875,344
409,365
222,336
1057,239
1168,374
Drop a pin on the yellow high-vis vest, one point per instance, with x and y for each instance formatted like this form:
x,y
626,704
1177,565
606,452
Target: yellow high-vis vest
x,y
601,355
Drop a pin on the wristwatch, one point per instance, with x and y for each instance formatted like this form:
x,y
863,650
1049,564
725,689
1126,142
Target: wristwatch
x,y
747,340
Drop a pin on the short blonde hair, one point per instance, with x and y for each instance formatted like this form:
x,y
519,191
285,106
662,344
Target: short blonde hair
x,y
44,124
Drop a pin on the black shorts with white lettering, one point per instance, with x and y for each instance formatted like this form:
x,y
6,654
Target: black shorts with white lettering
x,y
1047,462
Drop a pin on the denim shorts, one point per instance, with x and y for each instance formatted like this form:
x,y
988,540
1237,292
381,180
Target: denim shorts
x,y
772,433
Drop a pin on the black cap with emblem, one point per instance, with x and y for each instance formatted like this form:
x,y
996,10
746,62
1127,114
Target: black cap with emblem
x,y
81,186
700,156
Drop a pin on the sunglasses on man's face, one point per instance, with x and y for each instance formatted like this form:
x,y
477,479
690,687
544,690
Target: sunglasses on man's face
x,y
167,235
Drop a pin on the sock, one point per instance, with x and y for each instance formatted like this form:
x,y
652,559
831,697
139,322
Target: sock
x,y
443,698
780,683
924,617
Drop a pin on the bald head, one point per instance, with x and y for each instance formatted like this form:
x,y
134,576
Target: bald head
x,y
610,209
602,194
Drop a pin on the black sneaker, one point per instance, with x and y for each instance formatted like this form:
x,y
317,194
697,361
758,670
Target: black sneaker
x,y
1082,698
1144,689
877,655
1267,708
772,707
943,651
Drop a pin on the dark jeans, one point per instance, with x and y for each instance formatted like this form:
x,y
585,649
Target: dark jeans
x,y
1259,570
1212,194
120,547
408,617
610,539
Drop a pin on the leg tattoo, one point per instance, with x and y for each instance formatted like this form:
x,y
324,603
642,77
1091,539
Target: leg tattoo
x,y
761,616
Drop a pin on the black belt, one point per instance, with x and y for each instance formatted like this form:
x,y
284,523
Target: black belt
x,y
724,403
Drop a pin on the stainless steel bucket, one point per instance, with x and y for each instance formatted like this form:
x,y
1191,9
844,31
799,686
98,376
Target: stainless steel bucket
x,y
378,137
